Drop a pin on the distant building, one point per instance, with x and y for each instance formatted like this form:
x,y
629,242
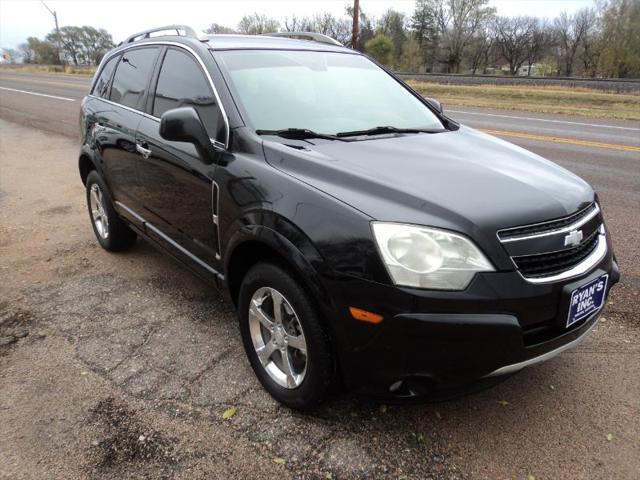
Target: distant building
x,y
526,70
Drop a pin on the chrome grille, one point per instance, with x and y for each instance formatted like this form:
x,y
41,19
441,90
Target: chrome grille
x,y
547,251
576,219
545,264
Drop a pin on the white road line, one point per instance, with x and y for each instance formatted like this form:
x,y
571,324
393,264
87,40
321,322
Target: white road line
x,y
545,120
38,94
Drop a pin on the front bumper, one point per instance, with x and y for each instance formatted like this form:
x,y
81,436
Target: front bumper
x,y
498,325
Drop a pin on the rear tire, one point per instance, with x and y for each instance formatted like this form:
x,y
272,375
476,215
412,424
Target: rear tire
x,y
111,231
307,376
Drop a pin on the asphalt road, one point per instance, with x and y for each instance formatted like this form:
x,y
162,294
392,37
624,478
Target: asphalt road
x,y
51,102
120,366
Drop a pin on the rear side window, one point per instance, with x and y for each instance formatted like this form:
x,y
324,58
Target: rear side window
x,y
102,85
131,80
182,83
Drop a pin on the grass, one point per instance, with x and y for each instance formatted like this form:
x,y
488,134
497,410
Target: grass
x,y
554,99
68,69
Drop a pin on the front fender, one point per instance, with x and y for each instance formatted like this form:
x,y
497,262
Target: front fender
x,y
289,242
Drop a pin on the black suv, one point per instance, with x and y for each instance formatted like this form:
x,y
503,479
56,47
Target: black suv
x,y
366,239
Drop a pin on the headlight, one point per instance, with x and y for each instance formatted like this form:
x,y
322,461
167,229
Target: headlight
x,y
428,257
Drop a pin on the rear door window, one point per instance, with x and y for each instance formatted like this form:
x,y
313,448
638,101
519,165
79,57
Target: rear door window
x,y
182,83
101,88
131,80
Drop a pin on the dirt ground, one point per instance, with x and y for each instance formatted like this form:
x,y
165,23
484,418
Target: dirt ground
x,y
120,366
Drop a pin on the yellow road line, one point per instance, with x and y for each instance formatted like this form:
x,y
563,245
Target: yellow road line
x,y
551,138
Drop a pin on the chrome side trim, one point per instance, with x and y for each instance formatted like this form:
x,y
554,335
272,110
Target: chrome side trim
x,y
150,117
557,231
583,267
215,201
119,50
542,358
169,240
131,212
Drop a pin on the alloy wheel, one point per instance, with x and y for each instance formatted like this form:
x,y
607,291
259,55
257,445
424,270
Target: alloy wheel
x,y
98,211
278,338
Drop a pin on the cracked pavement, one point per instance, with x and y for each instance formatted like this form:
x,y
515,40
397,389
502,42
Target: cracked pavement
x,y
121,365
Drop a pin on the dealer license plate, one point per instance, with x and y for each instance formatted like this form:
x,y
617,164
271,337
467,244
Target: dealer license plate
x,y
587,299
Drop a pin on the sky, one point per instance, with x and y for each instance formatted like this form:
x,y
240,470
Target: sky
x,y
20,19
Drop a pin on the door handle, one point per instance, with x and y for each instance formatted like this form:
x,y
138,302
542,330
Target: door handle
x,y
145,152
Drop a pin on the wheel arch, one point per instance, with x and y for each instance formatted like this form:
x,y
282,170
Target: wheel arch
x,y
85,166
254,243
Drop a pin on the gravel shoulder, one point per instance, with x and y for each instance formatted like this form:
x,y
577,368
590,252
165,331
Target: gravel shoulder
x,y
121,365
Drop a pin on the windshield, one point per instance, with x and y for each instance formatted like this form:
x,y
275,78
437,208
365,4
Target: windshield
x,y
320,91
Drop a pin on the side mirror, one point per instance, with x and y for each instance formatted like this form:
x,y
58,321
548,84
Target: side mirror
x,y
435,104
184,125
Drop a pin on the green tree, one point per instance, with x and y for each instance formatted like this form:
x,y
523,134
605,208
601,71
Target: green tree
x,y
71,40
38,51
82,45
411,59
392,24
620,55
381,48
423,25
95,43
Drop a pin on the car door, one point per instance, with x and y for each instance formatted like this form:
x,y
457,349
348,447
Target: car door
x,y
118,121
177,188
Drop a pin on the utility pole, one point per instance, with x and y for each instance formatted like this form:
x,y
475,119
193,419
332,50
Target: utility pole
x,y
58,37
356,24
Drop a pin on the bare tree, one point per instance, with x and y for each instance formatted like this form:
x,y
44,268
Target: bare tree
x,y
570,30
481,48
295,24
591,44
257,24
514,35
538,42
328,24
216,28
365,28
457,21
27,53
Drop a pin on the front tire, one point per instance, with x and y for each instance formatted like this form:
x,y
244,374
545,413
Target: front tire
x,y
287,345
111,231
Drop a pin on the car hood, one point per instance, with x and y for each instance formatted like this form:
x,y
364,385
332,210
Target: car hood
x,y
463,180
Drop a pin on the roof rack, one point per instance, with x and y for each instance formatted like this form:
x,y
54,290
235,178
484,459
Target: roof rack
x,y
188,32
313,36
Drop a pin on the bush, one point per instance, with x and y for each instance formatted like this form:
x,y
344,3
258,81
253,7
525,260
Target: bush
x,y
381,48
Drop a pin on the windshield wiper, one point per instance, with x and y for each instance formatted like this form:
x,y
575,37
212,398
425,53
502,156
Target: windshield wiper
x,y
297,134
383,130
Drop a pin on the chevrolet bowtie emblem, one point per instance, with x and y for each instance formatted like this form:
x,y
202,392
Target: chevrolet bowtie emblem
x,y
573,239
